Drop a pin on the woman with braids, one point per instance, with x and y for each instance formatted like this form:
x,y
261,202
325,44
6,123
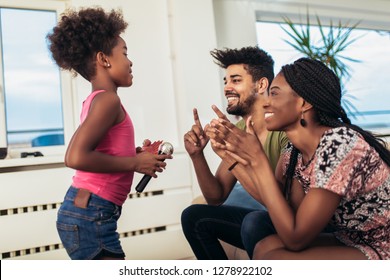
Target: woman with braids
x,y
332,171
102,150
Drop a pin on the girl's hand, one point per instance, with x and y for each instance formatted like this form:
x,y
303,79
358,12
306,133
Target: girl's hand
x,y
150,163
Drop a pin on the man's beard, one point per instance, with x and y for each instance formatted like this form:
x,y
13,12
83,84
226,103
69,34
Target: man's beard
x,y
243,109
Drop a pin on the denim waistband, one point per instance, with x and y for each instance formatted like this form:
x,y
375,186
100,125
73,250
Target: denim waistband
x,y
94,199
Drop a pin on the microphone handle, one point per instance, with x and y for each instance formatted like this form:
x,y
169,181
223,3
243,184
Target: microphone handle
x,y
145,180
142,184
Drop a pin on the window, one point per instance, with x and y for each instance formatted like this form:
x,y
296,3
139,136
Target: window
x,y
367,89
33,108
31,82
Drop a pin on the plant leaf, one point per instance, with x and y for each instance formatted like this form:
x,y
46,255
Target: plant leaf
x,y
328,49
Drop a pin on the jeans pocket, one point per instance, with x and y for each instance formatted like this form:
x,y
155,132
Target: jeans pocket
x,y
108,215
69,235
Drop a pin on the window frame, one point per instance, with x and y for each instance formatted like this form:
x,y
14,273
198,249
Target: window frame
x,y
65,83
297,13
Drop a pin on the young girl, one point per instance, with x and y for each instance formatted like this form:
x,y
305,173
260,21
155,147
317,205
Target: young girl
x,y
102,150
333,171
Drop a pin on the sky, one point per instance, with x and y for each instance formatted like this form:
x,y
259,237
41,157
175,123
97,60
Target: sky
x,y
368,85
31,79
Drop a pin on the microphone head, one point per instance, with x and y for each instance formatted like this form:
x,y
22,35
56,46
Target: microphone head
x,y
165,148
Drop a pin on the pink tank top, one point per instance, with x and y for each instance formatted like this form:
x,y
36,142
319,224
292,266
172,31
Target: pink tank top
x,y
118,141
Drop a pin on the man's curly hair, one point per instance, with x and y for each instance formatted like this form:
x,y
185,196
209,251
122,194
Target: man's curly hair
x,y
259,63
80,35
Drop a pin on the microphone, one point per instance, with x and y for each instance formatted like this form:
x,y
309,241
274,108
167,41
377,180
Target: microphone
x,y
165,148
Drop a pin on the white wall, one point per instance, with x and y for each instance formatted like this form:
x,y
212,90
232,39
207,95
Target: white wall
x,y
169,43
173,73
235,19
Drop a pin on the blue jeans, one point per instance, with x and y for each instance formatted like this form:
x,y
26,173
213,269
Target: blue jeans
x,y
255,226
258,225
203,225
89,233
241,198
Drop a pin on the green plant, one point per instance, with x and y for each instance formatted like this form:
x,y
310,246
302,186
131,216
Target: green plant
x,y
328,49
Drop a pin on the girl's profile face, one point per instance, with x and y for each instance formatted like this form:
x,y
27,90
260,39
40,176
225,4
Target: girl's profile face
x,y
283,107
120,70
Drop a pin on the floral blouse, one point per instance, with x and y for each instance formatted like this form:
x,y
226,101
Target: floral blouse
x,y
344,163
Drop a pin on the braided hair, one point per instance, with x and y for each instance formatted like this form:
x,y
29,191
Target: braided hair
x,y
317,84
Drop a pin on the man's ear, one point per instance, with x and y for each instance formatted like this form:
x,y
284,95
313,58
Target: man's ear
x,y
102,59
262,85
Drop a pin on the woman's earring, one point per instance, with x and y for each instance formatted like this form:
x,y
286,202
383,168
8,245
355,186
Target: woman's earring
x,y
303,121
108,65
